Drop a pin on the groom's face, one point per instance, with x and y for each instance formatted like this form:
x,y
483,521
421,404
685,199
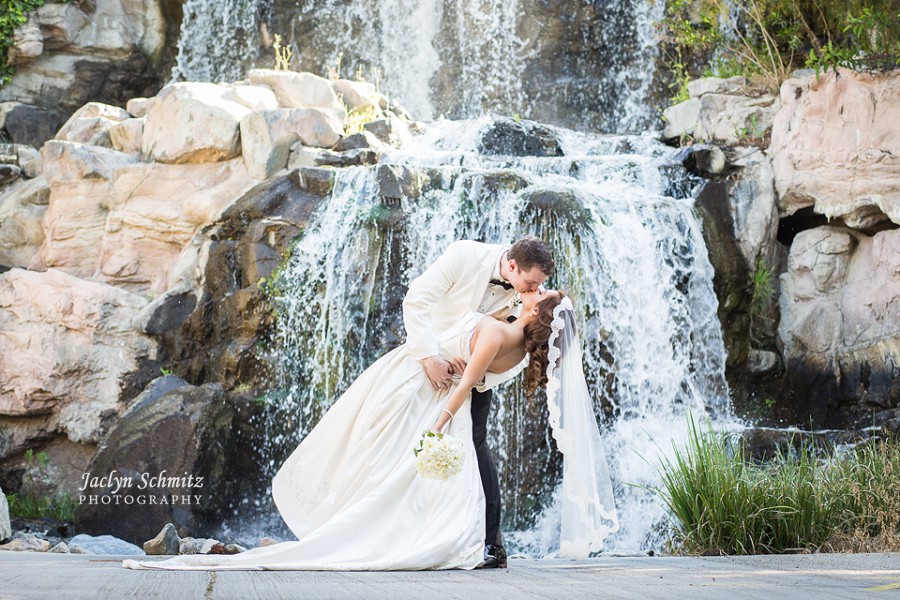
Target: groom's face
x,y
525,281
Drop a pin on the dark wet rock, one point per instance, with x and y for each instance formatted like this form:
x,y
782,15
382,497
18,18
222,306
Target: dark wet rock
x,y
363,139
166,542
182,433
392,131
703,160
9,174
169,311
350,158
398,181
22,123
506,137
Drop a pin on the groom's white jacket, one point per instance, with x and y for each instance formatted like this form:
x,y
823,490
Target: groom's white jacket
x,y
451,287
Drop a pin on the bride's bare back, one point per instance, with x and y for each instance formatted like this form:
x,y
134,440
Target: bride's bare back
x,y
510,338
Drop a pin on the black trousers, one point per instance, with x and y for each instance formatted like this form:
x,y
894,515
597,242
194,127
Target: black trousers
x,y
481,407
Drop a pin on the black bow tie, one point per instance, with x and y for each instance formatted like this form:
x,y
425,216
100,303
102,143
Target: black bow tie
x,y
504,284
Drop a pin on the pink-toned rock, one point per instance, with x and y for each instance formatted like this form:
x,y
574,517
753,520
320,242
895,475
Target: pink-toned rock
x,y
130,231
267,136
128,136
299,90
138,107
75,162
355,94
68,346
28,43
91,123
22,208
193,123
836,147
254,97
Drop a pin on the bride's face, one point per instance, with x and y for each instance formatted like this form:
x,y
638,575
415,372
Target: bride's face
x,y
531,300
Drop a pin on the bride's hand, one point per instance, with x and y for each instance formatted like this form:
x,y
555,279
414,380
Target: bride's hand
x,y
457,366
438,372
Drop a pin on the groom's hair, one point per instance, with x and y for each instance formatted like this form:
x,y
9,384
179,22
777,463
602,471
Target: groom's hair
x,y
531,251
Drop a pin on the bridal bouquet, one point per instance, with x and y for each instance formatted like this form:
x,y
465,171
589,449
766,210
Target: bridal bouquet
x,y
439,456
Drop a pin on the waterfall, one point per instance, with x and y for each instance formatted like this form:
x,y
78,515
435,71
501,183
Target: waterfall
x,y
219,40
618,214
579,64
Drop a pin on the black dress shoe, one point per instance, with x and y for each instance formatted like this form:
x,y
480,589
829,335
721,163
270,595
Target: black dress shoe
x,y
494,557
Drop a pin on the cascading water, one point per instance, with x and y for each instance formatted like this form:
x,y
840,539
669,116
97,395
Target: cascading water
x,y
579,64
618,215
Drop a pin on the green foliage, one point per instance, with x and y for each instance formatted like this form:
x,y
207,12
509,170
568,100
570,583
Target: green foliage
x,y
762,281
767,39
722,503
165,372
28,503
13,13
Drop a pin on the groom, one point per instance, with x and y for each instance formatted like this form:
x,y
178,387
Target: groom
x,y
484,278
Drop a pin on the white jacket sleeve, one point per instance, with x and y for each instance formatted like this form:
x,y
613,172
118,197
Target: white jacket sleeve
x,y
425,291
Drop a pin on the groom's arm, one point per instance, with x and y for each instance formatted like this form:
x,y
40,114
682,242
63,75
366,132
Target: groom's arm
x,y
425,291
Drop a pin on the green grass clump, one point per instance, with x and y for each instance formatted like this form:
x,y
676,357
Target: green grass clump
x,y
723,503
30,503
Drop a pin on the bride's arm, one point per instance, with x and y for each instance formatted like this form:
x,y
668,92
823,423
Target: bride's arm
x,y
487,345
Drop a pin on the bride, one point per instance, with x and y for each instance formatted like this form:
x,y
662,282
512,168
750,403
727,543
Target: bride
x,y
350,491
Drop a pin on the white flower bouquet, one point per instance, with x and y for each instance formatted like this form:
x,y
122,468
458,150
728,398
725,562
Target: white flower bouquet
x,y
439,456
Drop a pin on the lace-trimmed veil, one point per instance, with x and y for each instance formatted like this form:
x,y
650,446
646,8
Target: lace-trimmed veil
x,y
588,513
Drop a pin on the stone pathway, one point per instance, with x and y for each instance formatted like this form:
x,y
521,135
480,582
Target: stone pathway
x,y
798,577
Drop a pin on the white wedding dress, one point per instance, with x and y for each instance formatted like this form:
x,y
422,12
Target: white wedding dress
x,y
350,491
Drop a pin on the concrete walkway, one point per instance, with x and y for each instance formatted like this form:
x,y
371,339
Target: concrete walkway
x,y
798,577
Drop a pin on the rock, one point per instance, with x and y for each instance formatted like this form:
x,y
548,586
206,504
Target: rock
x,y
168,312
72,162
355,94
254,97
362,140
29,160
60,548
5,528
704,160
752,203
399,181
234,549
266,541
300,90
49,316
128,136
188,487
9,174
165,542
350,158
731,120
22,210
138,107
208,546
105,51
505,137
27,544
390,131
267,136
839,332
27,43
681,119
102,544
193,122
109,230
91,123
763,362
189,545
28,124
835,147
716,85
301,156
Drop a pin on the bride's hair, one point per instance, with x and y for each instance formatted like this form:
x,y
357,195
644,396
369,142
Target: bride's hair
x,y
537,344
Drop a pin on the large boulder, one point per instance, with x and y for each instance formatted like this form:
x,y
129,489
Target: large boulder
x,y
22,123
129,231
104,50
22,209
166,460
506,137
267,136
836,147
70,354
91,124
194,122
841,333
300,90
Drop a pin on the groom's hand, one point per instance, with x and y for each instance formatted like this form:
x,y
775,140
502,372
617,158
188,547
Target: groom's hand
x,y
438,372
